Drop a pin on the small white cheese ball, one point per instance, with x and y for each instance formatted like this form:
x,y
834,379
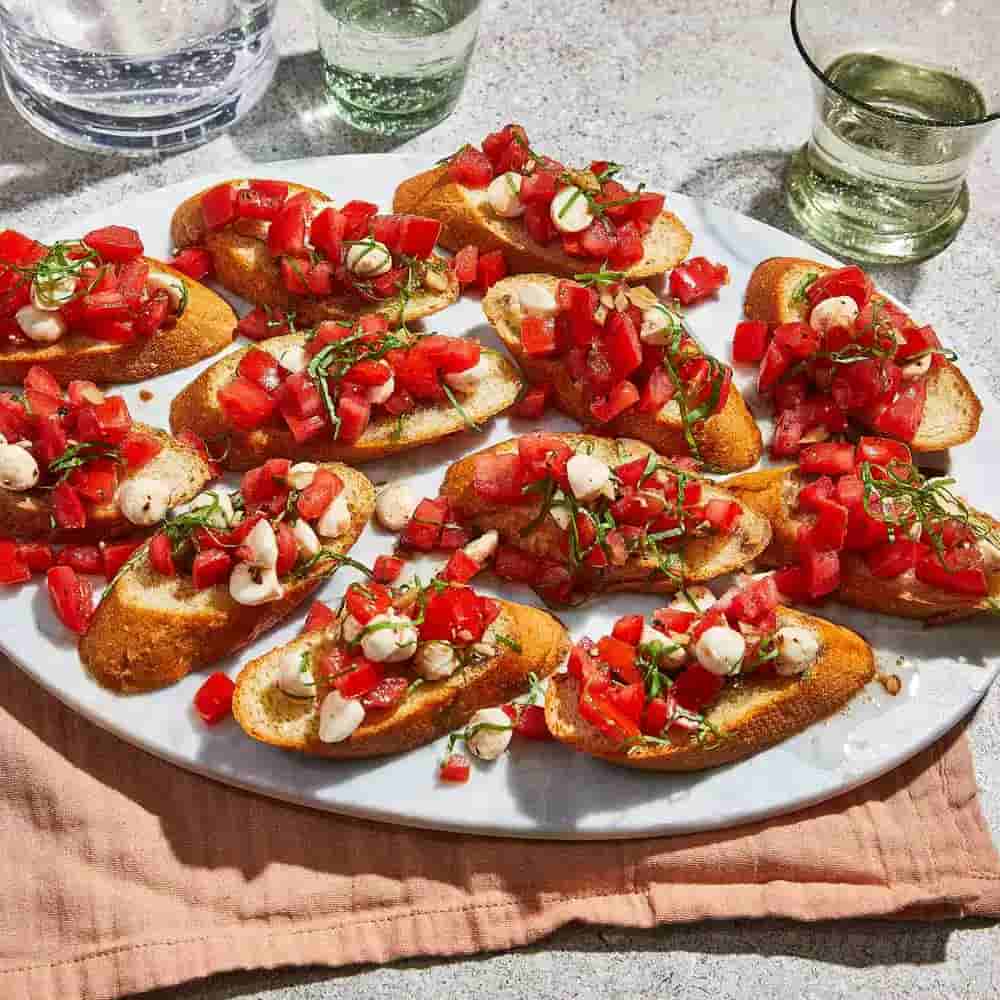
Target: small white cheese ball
x,y
394,506
570,210
503,195
435,660
143,501
336,519
537,300
18,468
488,744
369,259
797,649
301,475
339,717
253,586
469,380
674,653
52,295
389,638
305,537
915,369
40,325
481,549
223,516
264,544
294,675
720,649
658,325
294,359
169,283
588,476
840,311
378,394
698,600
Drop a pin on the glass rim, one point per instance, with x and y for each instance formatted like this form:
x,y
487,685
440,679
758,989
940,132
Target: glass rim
x,y
871,109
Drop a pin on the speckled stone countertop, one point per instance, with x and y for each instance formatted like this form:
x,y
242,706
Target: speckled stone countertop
x,y
709,98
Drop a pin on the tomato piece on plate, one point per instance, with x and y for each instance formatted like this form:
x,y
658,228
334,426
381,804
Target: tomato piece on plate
x,y
37,556
14,565
750,341
466,265
214,699
455,769
490,269
387,569
72,598
114,555
696,279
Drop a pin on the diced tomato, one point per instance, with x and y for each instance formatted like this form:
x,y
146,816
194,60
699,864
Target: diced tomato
x,y
471,168
455,769
466,265
114,555
791,583
696,279
775,363
849,280
538,335
20,250
893,558
357,218
529,721
903,415
750,341
497,478
218,206
327,233
423,531
388,692
273,189
695,688
418,235
490,268
364,601
821,573
863,530
533,403
621,397
195,262
264,483
364,677
629,629
455,614
214,699
538,189
299,396
628,248
245,404
113,331
954,571
161,556
288,549
622,344
672,620
754,601
799,340
72,598
319,494
790,393
14,567
115,243
320,617
788,431
607,717
919,340
620,657
211,568
656,716
95,480
261,367
287,233
138,449
723,515
132,281
811,495
646,207
67,508
515,564
633,508
829,531
460,568
496,143
37,556
883,452
827,458
354,415
628,700
151,315
252,203
387,569
540,456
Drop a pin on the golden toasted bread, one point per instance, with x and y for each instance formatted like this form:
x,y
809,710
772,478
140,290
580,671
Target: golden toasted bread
x,y
204,328
465,216
150,630
196,408
752,713
729,440
434,709
701,559
952,411
244,265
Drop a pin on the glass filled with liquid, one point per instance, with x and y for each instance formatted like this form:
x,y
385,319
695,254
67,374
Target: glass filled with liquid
x,y
903,95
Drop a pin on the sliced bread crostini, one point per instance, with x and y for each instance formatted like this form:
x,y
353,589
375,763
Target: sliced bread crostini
x,y
726,439
165,615
416,699
537,492
297,253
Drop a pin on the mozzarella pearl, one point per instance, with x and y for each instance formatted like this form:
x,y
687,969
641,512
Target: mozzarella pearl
x,y
503,193
720,649
336,519
221,518
588,476
52,295
253,586
698,600
488,744
394,506
537,300
301,475
435,660
797,648
40,325
481,549
674,651
339,717
570,210
294,359
294,676
840,311
264,545
18,468
393,639
469,380
143,501
369,259
305,538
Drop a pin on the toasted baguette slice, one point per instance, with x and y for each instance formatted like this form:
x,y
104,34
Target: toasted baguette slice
x,y
701,558
729,440
29,515
204,328
150,631
465,217
244,265
196,408
952,412
436,707
752,714
773,492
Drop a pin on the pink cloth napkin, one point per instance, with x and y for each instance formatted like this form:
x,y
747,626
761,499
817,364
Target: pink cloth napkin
x,y
121,873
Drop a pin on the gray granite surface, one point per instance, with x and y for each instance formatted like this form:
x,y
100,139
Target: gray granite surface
x,y
709,97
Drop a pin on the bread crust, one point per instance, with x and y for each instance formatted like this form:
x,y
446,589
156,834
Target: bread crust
x,y
751,715
267,714
150,631
463,221
206,326
244,265
729,440
953,410
196,408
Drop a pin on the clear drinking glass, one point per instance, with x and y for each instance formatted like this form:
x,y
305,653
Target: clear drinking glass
x,y
396,67
135,76
904,93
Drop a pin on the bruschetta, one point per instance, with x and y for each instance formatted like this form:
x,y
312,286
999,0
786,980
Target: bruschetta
x,y
863,524
705,682
618,358
97,309
342,392
224,569
575,514
285,247
544,216
396,670
833,352
75,468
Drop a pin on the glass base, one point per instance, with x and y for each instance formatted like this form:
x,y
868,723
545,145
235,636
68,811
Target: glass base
x,y
850,222
142,136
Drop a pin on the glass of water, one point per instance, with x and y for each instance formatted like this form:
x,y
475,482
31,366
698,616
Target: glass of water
x,y
135,76
904,93
396,67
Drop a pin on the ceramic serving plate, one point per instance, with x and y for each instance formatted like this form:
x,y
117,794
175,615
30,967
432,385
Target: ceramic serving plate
x,y
536,790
